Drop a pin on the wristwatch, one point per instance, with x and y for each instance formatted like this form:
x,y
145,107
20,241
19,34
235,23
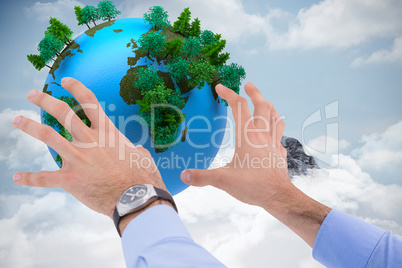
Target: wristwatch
x,y
136,198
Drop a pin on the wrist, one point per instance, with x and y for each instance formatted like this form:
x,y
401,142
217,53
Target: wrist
x,y
299,212
129,217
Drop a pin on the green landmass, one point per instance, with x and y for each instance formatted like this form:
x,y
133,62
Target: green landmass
x,y
184,134
65,53
91,32
131,94
55,84
192,57
47,91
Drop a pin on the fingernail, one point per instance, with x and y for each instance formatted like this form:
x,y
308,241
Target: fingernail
x,y
17,120
65,79
186,176
17,177
32,93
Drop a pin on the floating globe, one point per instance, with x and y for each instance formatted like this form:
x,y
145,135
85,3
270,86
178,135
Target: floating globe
x,y
100,58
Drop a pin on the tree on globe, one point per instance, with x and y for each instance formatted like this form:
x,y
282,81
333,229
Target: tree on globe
x,y
106,10
156,82
157,17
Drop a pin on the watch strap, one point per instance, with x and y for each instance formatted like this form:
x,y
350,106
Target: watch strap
x,y
162,195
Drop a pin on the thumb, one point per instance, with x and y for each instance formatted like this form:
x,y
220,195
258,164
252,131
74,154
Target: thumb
x,y
201,177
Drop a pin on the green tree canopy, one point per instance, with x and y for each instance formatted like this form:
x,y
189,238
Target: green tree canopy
x,y
192,47
152,43
157,17
147,78
107,10
166,120
49,47
88,14
213,52
158,94
182,25
59,30
36,61
77,11
231,76
195,28
176,100
207,37
173,47
178,68
201,73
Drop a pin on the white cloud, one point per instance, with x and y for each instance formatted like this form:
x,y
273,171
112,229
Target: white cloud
x,y
237,234
226,17
381,150
18,149
323,148
342,24
57,231
383,56
61,9
246,236
329,145
328,24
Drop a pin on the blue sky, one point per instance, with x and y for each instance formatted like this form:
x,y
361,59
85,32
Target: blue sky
x,y
303,56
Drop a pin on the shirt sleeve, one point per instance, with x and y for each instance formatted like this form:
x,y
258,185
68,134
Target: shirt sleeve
x,y
158,238
346,241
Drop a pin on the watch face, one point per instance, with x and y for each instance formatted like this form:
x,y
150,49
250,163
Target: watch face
x,y
133,194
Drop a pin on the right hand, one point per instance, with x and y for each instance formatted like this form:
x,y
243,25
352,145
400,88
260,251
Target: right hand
x,y
258,173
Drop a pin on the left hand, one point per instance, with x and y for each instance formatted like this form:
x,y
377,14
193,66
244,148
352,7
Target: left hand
x,y
96,164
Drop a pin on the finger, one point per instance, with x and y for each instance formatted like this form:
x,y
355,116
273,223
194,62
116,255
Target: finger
x,y
278,127
262,108
143,150
199,177
61,111
40,179
86,98
284,152
46,134
239,105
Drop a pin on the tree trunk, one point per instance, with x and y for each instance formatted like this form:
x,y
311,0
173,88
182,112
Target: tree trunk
x,y
68,40
94,22
59,54
88,26
108,16
48,66
216,81
53,60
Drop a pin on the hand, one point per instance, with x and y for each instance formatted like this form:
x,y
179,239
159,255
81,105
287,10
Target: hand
x,y
96,167
258,173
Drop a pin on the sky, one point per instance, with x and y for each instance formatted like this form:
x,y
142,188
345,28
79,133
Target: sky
x,y
331,68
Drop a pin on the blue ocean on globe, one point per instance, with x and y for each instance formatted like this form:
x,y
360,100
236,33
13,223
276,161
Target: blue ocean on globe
x,y
100,63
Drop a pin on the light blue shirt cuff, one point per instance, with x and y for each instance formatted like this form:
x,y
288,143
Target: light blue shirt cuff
x,y
149,228
345,241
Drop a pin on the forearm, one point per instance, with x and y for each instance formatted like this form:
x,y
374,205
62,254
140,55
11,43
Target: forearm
x,y
299,212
